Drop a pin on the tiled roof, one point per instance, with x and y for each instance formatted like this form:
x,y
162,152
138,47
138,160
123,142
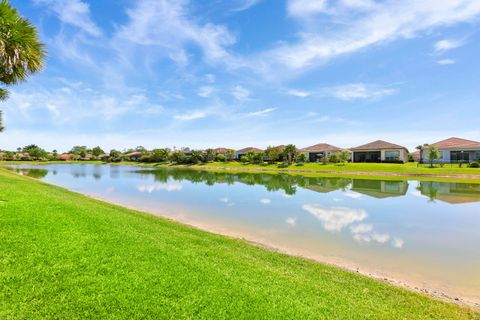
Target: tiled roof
x,y
249,149
221,150
378,145
321,147
456,143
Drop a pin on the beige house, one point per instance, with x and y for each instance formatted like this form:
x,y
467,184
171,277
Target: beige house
x,y
379,151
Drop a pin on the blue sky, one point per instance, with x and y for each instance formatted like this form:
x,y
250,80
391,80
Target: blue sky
x,y
237,73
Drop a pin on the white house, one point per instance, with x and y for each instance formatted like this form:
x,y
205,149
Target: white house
x,y
455,149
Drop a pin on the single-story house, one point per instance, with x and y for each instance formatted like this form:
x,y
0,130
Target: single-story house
x,y
380,189
66,157
456,149
379,151
450,192
223,151
319,151
134,155
240,153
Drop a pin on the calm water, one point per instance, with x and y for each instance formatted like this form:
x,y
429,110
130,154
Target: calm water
x,y
424,233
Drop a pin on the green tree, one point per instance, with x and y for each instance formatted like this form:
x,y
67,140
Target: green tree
x,y
432,154
290,153
344,156
97,151
220,157
160,155
209,155
273,154
333,158
197,156
258,157
21,52
230,154
79,151
302,158
35,152
115,156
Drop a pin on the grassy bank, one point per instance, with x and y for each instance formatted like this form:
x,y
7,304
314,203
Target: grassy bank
x,y
64,255
388,171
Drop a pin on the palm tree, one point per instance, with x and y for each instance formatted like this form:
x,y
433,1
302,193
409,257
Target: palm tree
x,y
21,52
420,149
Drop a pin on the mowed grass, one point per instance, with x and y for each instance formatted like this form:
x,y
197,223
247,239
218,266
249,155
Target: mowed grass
x,y
409,167
67,256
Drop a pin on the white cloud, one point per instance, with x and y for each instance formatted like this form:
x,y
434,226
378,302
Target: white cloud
x,y
446,44
260,113
73,12
265,201
193,115
205,91
360,237
361,228
72,104
335,218
150,188
240,93
245,4
298,93
357,91
352,195
227,201
379,24
380,237
291,221
446,61
303,8
166,25
398,243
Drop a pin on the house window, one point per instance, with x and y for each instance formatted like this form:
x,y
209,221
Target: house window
x,y
392,155
477,155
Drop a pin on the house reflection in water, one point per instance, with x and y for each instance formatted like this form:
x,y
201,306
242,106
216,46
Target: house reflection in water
x,y
380,189
450,192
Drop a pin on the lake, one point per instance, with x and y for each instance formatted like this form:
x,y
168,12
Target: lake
x,y
421,233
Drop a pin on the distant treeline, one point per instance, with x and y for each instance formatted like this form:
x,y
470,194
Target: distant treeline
x,y
287,154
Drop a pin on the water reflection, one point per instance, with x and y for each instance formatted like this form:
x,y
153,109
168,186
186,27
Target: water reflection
x,y
450,192
420,230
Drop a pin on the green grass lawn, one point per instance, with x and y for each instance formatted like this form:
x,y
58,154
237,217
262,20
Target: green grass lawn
x,y
408,167
67,256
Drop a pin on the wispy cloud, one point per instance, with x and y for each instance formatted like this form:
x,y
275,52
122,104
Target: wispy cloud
x,y
150,188
381,23
205,91
298,93
240,93
166,25
260,113
446,61
73,12
447,44
193,115
357,91
243,5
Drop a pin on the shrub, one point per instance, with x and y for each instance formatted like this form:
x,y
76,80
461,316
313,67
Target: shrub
x,y
474,165
221,157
